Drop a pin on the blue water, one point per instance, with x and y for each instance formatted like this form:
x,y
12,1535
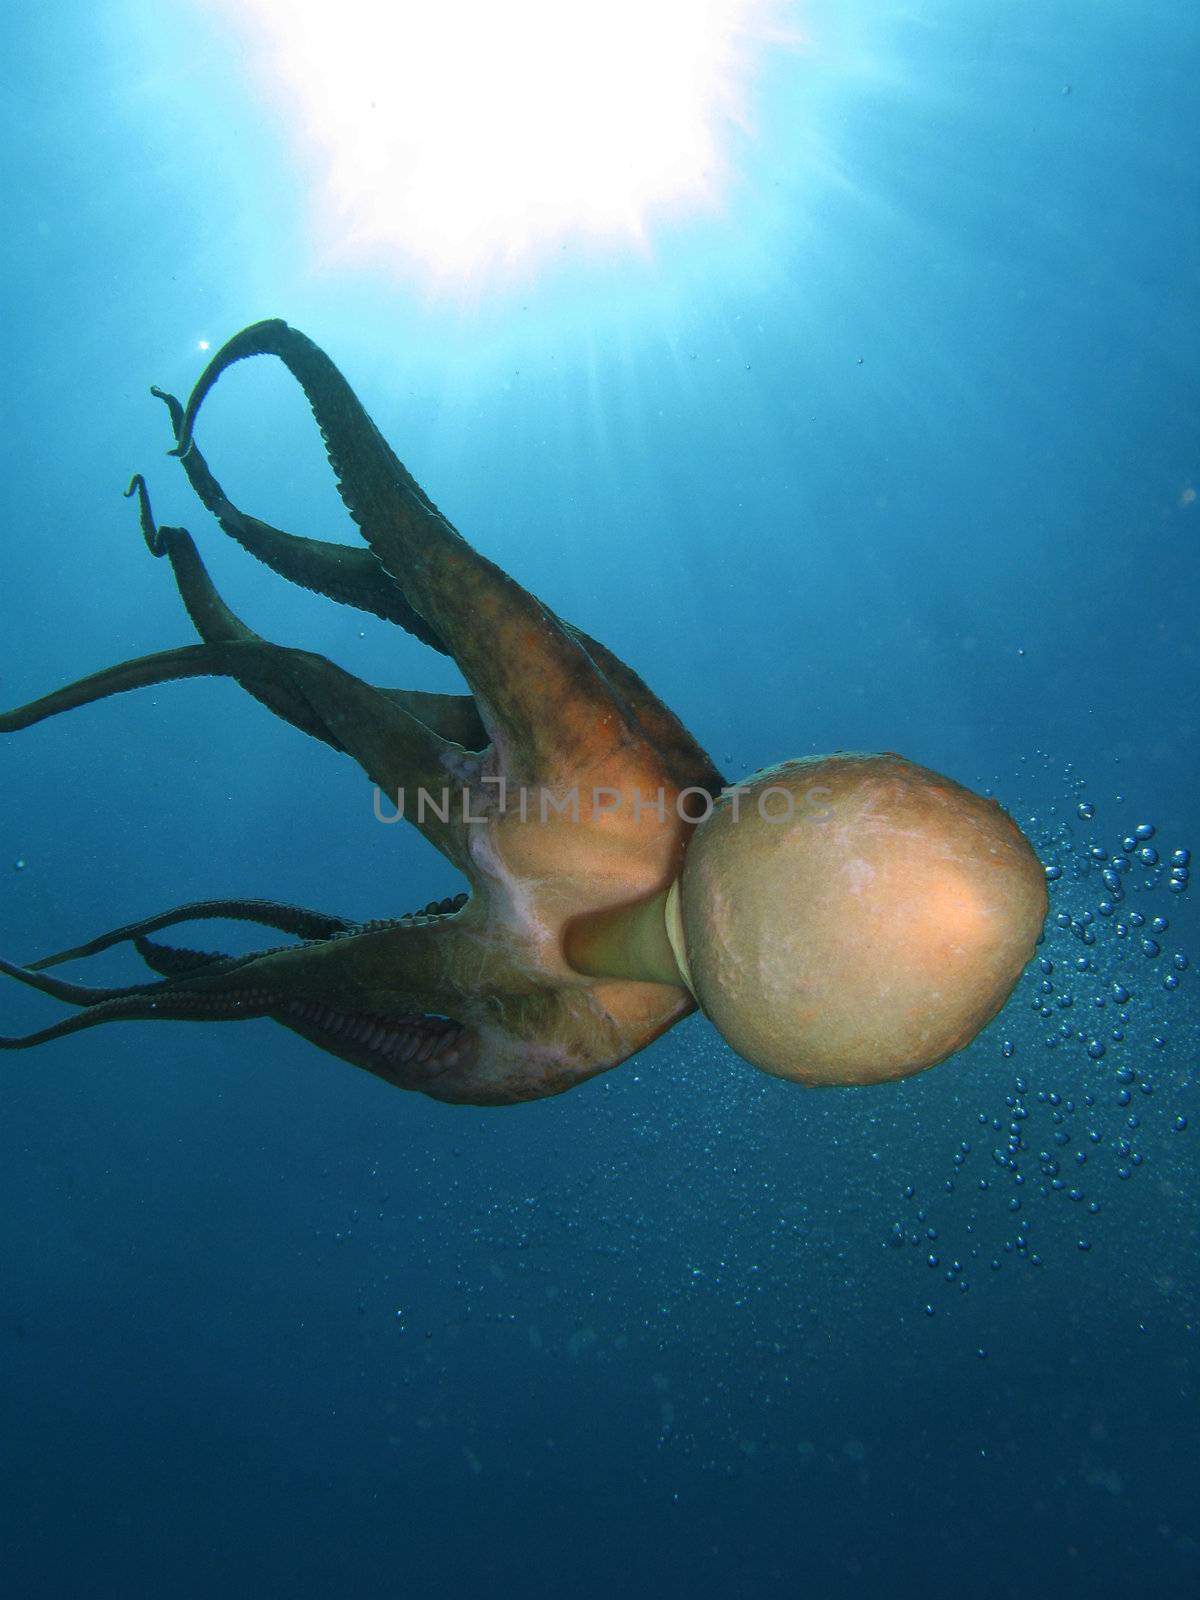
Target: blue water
x,y
895,452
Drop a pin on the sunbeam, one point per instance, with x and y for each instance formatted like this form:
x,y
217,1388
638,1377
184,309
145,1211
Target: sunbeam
x,y
470,137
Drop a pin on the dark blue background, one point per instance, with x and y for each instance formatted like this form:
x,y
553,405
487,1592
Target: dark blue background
x,y
893,453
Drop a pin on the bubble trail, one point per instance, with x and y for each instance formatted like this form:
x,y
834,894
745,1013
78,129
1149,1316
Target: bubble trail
x,y
1102,1033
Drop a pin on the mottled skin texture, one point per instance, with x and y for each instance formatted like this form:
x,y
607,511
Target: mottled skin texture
x,y
472,999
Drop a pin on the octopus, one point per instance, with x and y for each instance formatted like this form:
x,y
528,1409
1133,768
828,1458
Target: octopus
x,y
841,920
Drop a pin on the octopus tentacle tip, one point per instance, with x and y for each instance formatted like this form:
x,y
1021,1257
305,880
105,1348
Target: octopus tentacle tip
x,y
173,405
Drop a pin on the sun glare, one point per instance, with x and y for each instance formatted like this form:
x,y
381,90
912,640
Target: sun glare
x,y
472,135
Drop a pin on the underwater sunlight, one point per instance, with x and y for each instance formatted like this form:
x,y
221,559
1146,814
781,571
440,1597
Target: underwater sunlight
x,y
526,125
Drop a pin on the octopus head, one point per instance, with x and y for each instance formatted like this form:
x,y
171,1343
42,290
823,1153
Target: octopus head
x,y
853,918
